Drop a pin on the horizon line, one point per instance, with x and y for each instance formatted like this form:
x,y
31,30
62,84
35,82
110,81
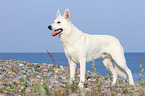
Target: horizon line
x,y
57,52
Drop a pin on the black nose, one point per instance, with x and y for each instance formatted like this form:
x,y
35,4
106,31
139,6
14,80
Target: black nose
x,y
50,27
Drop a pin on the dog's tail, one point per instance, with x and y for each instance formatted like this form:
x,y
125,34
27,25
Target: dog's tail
x,y
120,71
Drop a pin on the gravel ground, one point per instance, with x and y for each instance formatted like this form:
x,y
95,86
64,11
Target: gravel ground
x,y
21,77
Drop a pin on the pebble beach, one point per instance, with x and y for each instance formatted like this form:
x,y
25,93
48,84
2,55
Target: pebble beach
x,y
24,78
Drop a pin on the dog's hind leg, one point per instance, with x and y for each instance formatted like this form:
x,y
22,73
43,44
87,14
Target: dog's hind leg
x,y
131,81
107,60
120,65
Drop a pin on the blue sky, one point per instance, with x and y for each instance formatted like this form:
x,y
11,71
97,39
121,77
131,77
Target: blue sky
x,y
23,23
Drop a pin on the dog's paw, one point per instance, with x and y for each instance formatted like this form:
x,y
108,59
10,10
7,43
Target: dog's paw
x,y
81,85
113,84
131,83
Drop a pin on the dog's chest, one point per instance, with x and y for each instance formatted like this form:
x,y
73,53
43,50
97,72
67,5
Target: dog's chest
x,y
71,51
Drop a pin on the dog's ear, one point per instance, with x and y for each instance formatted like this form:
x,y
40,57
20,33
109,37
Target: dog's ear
x,y
67,15
58,13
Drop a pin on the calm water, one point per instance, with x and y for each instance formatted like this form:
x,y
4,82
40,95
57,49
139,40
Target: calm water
x,y
133,61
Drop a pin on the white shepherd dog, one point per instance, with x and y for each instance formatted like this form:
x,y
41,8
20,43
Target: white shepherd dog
x,y
81,48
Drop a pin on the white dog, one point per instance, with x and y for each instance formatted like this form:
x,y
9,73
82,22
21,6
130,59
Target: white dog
x,y
80,48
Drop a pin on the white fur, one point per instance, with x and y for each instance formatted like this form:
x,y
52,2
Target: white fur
x,y
80,48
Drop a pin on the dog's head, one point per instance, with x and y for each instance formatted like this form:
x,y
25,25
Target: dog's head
x,y
60,23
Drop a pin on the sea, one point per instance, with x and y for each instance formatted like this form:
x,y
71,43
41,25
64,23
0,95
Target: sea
x,y
133,61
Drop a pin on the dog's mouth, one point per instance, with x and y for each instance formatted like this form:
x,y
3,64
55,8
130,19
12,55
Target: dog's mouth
x,y
57,32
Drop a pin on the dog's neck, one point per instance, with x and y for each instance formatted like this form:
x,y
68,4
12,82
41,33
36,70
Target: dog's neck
x,y
73,33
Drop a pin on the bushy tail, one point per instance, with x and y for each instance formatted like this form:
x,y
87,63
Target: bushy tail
x,y
120,71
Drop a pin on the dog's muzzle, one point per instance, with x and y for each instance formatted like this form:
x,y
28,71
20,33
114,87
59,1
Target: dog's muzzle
x,y
56,32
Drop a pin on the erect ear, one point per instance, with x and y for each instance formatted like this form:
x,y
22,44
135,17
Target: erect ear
x,y
58,13
67,15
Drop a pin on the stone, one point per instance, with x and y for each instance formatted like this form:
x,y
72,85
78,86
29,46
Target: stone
x,y
33,80
21,65
38,76
13,73
10,65
30,64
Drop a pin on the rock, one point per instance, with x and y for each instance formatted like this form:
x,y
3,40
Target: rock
x,y
13,73
16,81
1,68
52,91
45,70
76,76
61,91
33,80
54,68
28,89
38,76
50,73
89,79
21,65
1,76
10,65
30,64
73,94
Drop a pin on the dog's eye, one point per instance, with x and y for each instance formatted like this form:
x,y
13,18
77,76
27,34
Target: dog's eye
x,y
58,22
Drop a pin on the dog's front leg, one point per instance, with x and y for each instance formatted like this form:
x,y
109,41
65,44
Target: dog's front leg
x,y
82,72
72,66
